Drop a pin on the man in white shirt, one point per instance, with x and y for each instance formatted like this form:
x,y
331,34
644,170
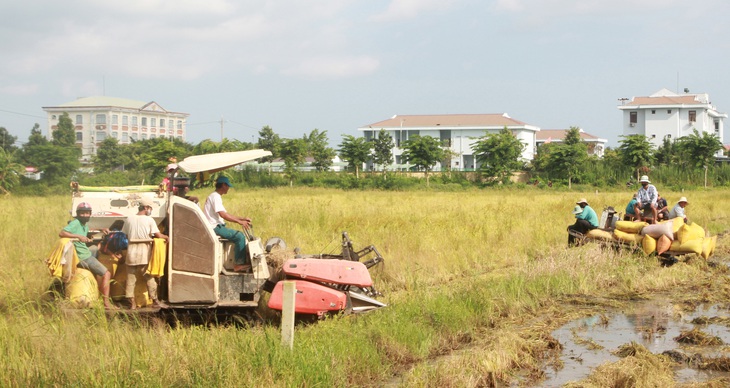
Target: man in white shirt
x,y
217,216
647,197
678,209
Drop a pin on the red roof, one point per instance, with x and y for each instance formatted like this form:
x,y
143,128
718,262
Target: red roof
x,y
453,120
559,134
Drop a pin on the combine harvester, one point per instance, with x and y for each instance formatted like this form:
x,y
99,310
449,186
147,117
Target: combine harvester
x,y
667,239
198,271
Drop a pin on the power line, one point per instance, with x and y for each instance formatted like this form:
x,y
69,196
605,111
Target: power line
x,y
22,114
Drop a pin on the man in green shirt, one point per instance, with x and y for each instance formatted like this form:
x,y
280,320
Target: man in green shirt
x,y
586,220
79,230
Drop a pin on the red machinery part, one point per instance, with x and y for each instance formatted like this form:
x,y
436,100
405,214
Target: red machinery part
x,y
329,271
310,298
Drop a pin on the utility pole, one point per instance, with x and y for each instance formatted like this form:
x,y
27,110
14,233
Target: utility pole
x,y
222,128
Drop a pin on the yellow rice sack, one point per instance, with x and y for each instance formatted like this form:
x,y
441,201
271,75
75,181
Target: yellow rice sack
x,y
691,246
708,246
599,234
689,232
648,243
662,244
630,226
627,237
82,290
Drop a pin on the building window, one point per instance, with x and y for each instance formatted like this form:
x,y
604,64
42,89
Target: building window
x,y
115,135
152,136
125,120
653,111
633,117
101,119
100,135
717,125
179,124
79,136
79,119
669,111
144,136
162,123
153,122
134,121
144,121
125,137
134,136
115,119
53,117
692,116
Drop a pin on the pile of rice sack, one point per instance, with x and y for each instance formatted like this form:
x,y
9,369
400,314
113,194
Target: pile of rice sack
x,y
671,235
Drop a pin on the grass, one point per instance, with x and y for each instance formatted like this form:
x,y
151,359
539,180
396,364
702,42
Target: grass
x,y
475,280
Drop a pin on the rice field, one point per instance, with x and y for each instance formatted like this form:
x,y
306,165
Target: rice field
x,y
475,281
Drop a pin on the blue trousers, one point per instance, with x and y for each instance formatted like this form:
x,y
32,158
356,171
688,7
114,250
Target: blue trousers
x,y
235,237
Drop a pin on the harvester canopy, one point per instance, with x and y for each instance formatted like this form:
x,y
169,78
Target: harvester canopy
x,y
211,163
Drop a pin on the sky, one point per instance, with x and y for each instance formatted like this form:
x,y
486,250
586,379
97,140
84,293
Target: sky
x,y
339,65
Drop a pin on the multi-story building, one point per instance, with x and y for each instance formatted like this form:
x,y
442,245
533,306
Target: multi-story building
x,y
669,115
596,145
97,118
458,132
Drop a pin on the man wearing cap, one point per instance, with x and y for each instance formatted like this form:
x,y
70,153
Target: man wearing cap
x,y
78,229
217,216
647,197
141,227
586,220
678,209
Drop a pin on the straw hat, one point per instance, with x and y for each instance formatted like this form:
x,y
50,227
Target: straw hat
x,y
582,200
577,210
683,199
643,179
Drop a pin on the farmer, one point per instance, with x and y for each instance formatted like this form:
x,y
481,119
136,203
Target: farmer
x,y
647,196
217,216
678,209
586,220
662,208
632,209
141,227
79,230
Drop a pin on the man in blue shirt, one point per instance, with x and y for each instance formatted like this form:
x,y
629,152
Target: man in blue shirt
x,y
586,220
632,209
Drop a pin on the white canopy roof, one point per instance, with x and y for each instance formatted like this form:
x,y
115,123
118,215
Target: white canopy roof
x,y
220,161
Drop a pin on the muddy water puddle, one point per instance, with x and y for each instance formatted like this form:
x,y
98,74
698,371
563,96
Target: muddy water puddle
x,y
589,342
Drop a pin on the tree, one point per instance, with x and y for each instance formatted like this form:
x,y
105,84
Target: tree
x,y
318,149
383,150
10,171
293,151
667,153
499,154
270,141
700,149
7,140
423,152
356,150
110,156
64,135
637,152
566,159
56,159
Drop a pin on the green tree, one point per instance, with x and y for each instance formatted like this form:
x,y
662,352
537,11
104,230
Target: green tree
x,y
64,135
110,156
567,159
423,152
700,149
356,150
318,148
383,150
499,154
637,152
57,159
293,151
667,153
7,141
269,141
10,171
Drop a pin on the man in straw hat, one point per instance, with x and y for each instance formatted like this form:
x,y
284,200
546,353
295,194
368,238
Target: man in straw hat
x,y
647,197
586,220
678,209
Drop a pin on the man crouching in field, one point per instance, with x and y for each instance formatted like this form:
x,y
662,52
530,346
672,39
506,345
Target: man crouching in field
x,y
79,230
586,220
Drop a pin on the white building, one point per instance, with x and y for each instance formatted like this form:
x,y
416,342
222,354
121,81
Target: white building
x,y
96,118
458,132
666,114
596,145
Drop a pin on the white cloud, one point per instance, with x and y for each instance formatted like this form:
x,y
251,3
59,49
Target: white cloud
x,y
332,67
409,9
